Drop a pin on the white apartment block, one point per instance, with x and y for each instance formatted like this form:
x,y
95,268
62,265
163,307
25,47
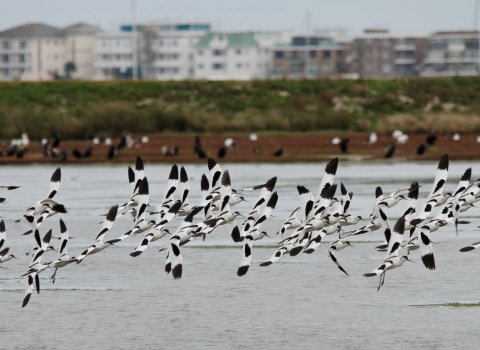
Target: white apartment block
x,y
452,53
236,56
113,55
39,52
170,51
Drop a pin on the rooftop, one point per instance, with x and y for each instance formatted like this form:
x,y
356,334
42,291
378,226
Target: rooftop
x,y
234,40
32,30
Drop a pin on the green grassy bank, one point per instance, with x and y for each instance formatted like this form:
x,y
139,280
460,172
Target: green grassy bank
x,y
77,109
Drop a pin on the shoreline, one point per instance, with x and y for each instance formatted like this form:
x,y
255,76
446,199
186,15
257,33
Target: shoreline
x,y
297,148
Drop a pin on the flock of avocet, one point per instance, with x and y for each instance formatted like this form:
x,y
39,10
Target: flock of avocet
x,y
319,217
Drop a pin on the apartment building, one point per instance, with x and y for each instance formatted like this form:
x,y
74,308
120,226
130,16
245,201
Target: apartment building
x,y
310,56
235,56
452,53
38,52
169,49
379,54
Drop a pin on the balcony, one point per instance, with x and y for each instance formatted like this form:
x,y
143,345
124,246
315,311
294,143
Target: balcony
x,y
404,61
405,47
15,51
15,64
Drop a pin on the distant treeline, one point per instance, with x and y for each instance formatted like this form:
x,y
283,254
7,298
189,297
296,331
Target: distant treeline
x,y
78,109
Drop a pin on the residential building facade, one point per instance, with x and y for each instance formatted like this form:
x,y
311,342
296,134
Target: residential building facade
x,y
452,53
379,54
309,56
235,56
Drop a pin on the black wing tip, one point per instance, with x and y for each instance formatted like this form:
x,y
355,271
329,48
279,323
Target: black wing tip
x,y
226,179
177,271
60,208
309,251
443,164
330,192
183,175
270,185
173,173
332,166
295,251
26,300
211,163
57,175
2,226
302,190
63,228
344,190
112,213
429,261
242,270
131,175
138,164
143,188
113,241
204,184
135,253
370,274
266,263
378,192
467,249
467,175
414,189
175,208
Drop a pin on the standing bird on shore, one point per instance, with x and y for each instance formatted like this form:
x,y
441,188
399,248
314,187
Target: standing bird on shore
x,y
344,145
197,148
390,151
431,139
279,152
421,150
371,139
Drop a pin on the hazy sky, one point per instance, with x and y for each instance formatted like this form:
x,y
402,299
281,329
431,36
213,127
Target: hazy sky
x,y
405,16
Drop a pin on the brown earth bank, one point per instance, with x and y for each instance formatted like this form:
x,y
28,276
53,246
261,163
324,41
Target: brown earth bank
x,y
297,148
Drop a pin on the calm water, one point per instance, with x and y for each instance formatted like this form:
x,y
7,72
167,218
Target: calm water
x,y
114,301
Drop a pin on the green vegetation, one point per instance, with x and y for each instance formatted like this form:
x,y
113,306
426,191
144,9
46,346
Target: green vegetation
x,y
450,305
77,109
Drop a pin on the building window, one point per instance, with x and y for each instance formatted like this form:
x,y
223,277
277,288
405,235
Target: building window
x,y
119,57
21,58
23,44
218,52
326,54
386,54
6,45
387,68
5,58
387,41
239,65
200,66
278,54
313,54
217,66
5,72
239,52
326,67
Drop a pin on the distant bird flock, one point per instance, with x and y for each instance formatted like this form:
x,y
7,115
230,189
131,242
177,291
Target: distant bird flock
x,y
316,217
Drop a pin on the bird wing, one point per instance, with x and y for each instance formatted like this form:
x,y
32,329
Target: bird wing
x,y
275,257
64,240
395,239
3,233
54,183
184,186
345,200
323,205
131,179
28,291
4,252
272,202
172,185
175,256
142,199
470,247
225,192
107,223
306,203
287,223
328,177
426,248
215,173
140,170
331,253
463,184
246,257
440,177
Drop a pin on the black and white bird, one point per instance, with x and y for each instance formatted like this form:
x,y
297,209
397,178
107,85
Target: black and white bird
x,y
158,231
290,223
334,247
254,234
98,244
49,202
7,188
185,208
63,258
394,239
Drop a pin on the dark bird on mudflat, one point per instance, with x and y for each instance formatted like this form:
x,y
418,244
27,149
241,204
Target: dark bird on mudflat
x,y
421,149
279,153
344,145
390,152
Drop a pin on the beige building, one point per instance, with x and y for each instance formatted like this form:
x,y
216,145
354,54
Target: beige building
x,y
38,52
